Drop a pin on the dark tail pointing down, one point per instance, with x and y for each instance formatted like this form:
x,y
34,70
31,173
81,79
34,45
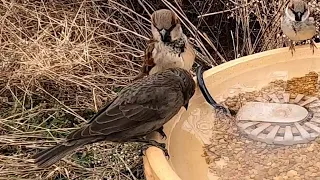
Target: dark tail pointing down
x,y
51,155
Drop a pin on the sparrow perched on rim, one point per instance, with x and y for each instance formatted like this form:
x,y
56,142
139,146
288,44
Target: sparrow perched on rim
x,y
139,109
168,47
297,24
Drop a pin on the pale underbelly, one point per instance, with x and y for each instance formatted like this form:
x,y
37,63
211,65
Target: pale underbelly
x,y
300,35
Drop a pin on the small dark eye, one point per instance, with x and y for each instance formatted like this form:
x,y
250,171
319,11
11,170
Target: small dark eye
x,y
291,9
171,28
154,25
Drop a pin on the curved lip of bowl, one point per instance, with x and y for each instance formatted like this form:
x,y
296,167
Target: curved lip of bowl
x,y
155,163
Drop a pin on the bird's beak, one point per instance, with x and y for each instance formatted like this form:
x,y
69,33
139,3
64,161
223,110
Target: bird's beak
x,y
186,106
165,35
298,16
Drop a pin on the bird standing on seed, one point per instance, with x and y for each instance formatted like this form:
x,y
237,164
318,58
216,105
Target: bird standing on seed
x,y
139,109
168,47
297,24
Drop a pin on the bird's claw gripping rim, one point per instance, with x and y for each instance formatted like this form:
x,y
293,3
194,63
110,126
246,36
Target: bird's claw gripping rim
x,y
154,143
206,94
161,132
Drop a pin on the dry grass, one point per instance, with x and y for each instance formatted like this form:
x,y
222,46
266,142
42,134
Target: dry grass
x,y
62,60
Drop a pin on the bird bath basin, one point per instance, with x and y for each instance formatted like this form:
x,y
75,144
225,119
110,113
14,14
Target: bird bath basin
x,y
274,120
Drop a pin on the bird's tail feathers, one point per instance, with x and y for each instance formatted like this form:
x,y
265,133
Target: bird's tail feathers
x,y
51,155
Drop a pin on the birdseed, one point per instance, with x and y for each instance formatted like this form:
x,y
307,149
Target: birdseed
x,y
232,155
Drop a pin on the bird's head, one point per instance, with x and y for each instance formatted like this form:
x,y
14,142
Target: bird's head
x,y
297,10
187,84
165,26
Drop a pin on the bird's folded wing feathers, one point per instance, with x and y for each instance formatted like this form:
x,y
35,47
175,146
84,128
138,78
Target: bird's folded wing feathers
x,y
123,115
148,59
148,62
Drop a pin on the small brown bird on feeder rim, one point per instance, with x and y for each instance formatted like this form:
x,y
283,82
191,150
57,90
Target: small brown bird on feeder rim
x,y
168,47
297,24
139,109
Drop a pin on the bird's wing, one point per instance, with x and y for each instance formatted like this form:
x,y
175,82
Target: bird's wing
x,y
131,110
148,59
313,15
188,56
148,62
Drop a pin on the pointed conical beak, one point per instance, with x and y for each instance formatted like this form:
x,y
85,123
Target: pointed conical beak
x,y
186,106
298,16
165,37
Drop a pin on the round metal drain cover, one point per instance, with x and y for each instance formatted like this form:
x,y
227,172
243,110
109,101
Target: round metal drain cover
x,y
278,119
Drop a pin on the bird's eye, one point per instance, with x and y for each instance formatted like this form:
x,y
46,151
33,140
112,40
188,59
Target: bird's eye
x,y
304,10
171,28
168,30
292,9
154,25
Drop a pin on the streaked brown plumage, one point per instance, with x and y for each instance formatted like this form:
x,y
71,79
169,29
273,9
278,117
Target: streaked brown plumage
x,y
298,24
139,109
168,47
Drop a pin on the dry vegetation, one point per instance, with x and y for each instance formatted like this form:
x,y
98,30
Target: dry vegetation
x,y
62,60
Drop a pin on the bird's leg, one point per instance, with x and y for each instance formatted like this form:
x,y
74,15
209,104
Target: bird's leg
x,y
291,47
313,45
149,143
160,131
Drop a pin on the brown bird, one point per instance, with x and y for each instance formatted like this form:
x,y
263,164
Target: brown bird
x,y
297,24
139,109
168,47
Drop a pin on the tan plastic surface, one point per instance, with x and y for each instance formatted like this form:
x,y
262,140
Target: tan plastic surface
x,y
271,112
189,130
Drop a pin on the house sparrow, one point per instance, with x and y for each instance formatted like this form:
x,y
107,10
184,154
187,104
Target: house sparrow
x,y
168,47
139,109
297,24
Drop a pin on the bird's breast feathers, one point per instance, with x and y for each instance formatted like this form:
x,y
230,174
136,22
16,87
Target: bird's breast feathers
x,y
298,31
163,54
